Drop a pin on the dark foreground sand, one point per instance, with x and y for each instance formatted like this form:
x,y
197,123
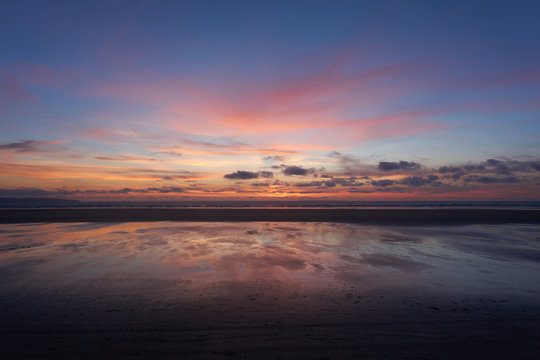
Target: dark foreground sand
x,y
366,216
251,321
179,290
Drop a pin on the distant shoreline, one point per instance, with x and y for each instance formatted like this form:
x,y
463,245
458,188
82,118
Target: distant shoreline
x,y
46,203
362,216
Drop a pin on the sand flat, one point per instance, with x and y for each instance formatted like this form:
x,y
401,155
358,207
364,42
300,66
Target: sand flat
x,y
366,216
267,290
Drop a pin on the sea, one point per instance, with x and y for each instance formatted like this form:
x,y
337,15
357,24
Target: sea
x,y
66,203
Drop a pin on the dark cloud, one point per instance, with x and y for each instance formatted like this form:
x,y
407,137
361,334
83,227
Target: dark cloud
x,y
492,171
295,170
246,175
393,189
401,165
222,190
308,184
31,146
450,169
507,167
383,183
493,162
351,181
500,167
454,176
318,183
490,179
27,192
122,191
35,192
171,189
260,184
474,167
535,165
416,181
243,175
19,146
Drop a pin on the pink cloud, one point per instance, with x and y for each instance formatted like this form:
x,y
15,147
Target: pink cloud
x,y
290,104
395,125
12,92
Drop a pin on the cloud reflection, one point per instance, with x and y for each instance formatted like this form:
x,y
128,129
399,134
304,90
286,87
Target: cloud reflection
x,y
316,255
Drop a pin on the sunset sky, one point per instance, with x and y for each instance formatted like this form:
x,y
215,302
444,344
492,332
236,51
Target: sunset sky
x,y
353,100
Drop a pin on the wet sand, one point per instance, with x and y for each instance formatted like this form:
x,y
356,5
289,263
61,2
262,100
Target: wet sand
x,y
268,290
257,323
364,216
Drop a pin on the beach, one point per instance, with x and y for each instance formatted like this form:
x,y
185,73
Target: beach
x,y
269,180
267,290
352,215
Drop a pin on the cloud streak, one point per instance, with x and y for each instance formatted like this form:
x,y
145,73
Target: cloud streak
x,y
246,175
32,146
36,192
126,158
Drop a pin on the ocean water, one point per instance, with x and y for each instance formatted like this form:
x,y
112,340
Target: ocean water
x,y
63,203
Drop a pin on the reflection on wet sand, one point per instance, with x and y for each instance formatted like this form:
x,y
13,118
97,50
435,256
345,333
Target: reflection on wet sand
x,y
310,254
113,275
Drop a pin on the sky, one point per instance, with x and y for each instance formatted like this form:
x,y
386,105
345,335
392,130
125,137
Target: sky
x,y
235,100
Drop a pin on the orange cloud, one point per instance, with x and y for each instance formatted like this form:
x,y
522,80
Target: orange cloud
x,y
56,170
126,158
